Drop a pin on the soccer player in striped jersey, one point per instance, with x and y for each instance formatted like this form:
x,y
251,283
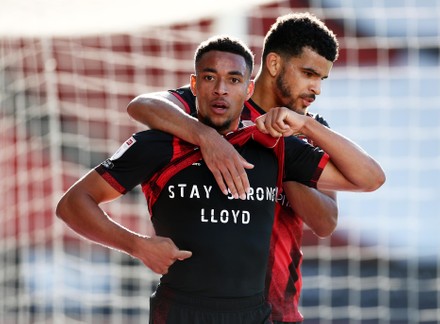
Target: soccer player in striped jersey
x,y
298,54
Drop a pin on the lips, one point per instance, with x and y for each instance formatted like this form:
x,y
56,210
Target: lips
x,y
219,106
308,101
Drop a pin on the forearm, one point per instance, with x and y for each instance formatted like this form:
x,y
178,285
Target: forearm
x,y
359,168
158,112
85,217
164,112
317,209
80,212
350,167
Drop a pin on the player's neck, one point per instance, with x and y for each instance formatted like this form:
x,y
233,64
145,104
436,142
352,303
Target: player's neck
x,y
262,97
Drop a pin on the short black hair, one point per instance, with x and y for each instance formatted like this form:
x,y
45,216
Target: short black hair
x,y
226,44
292,32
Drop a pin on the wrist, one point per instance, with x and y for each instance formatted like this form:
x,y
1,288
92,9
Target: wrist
x,y
307,127
205,134
136,246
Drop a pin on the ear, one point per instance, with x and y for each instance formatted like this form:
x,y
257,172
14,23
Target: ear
x,y
250,89
273,63
192,84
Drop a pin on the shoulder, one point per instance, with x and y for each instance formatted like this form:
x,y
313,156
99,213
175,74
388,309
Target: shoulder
x,y
184,91
185,97
151,135
294,141
144,144
297,148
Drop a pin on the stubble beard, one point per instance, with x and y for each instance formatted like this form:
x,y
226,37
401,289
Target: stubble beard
x,y
219,128
285,92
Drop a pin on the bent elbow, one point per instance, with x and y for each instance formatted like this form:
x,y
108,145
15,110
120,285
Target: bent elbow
x,y
330,225
132,107
60,209
376,182
129,109
64,208
325,233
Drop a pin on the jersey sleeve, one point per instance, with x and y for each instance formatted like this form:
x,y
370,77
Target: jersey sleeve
x,y
303,163
136,160
186,97
320,119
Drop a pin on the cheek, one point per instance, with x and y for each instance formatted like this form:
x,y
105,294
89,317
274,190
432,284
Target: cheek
x,y
200,104
300,87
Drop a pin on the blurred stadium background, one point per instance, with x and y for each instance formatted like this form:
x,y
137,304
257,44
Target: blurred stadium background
x,y
68,70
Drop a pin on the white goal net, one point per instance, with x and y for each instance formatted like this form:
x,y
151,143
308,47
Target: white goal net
x,y
63,94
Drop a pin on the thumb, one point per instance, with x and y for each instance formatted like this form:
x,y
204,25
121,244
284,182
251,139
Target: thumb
x,y
182,255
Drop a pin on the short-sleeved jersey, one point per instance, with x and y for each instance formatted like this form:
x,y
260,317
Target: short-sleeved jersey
x,y
283,280
229,238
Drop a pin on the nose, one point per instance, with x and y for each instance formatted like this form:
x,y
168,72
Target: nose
x,y
220,87
315,86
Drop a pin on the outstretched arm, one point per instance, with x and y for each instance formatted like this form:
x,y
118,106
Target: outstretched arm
x,y
318,209
350,167
79,209
163,111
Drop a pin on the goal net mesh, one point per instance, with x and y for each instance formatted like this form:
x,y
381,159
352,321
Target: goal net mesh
x,y
63,110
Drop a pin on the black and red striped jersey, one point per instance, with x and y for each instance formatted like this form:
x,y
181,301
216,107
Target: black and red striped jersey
x,y
229,237
284,279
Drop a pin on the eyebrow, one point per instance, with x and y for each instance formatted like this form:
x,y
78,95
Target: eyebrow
x,y
230,72
315,73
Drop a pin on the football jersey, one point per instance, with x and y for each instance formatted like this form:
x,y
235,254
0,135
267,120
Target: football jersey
x,y
229,237
283,280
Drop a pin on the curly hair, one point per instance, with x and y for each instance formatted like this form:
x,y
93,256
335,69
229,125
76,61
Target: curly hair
x,y
292,32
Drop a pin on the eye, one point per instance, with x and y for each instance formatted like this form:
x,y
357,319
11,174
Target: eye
x,y
235,80
208,77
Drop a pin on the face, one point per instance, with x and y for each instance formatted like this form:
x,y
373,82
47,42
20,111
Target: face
x,y
299,80
221,85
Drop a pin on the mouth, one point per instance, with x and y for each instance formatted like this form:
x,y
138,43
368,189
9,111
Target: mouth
x,y
308,100
219,106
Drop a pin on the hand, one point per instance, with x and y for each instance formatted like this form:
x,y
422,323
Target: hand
x,y
227,165
280,121
159,253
